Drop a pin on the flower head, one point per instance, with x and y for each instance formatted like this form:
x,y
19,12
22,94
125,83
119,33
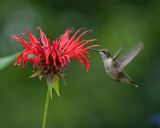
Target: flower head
x,y
52,57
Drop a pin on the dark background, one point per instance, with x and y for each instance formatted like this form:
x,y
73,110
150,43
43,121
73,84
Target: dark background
x,y
90,99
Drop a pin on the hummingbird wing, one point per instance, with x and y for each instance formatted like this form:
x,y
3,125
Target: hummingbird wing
x,y
123,61
118,53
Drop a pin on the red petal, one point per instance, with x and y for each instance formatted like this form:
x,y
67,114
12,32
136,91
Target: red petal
x,y
29,59
31,37
72,48
36,60
87,54
80,60
64,39
24,58
67,58
63,61
43,37
54,58
85,61
81,46
70,41
25,44
19,58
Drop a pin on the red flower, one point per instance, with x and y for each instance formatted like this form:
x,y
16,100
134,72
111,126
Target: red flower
x,y
53,57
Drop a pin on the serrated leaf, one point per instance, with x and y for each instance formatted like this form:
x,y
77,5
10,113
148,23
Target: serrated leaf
x,y
56,84
6,61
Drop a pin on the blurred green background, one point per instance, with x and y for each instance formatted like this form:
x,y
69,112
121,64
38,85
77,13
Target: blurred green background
x,y
90,99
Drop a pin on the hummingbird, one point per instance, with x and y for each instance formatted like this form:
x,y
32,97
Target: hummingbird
x,y
115,67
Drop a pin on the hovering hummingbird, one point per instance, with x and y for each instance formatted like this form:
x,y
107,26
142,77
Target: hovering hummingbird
x,y
115,67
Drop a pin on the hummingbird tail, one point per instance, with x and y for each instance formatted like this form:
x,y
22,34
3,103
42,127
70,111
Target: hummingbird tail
x,y
127,79
133,83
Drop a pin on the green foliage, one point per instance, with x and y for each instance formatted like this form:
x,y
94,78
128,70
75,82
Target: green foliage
x,y
35,74
53,82
50,87
38,73
56,84
6,61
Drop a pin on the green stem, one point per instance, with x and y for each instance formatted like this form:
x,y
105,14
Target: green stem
x,y
46,108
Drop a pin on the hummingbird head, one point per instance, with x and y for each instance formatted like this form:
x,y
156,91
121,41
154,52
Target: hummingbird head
x,y
104,52
106,57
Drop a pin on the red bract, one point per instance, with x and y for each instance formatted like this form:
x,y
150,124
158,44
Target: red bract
x,y
53,57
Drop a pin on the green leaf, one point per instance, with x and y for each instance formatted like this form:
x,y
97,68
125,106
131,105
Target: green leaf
x,y
50,88
6,61
50,81
40,76
53,82
35,74
56,84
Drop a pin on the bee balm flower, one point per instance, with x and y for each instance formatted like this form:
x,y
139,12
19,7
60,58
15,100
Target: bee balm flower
x,y
52,57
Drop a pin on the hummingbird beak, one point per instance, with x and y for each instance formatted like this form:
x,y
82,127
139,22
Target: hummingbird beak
x,y
94,50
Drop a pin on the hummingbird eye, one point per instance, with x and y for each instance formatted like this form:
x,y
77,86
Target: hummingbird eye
x,y
104,52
